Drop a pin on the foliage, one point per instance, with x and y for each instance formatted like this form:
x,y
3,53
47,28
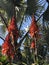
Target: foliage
x,y
13,15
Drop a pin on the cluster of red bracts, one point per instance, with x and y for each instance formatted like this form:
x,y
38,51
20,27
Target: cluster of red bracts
x,y
34,31
7,47
13,28
33,28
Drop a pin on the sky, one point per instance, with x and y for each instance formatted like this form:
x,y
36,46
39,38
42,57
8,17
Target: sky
x,y
27,22
1,41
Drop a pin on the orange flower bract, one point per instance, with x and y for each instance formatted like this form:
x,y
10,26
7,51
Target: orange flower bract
x,y
7,47
13,28
33,44
33,28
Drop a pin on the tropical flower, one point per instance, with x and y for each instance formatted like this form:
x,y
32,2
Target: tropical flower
x,y
33,28
7,47
32,44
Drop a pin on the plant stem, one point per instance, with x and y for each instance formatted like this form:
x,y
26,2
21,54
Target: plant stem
x,y
3,20
2,38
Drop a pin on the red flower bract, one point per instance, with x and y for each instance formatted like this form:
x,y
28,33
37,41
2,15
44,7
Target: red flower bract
x,y
33,44
13,28
33,28
7,47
